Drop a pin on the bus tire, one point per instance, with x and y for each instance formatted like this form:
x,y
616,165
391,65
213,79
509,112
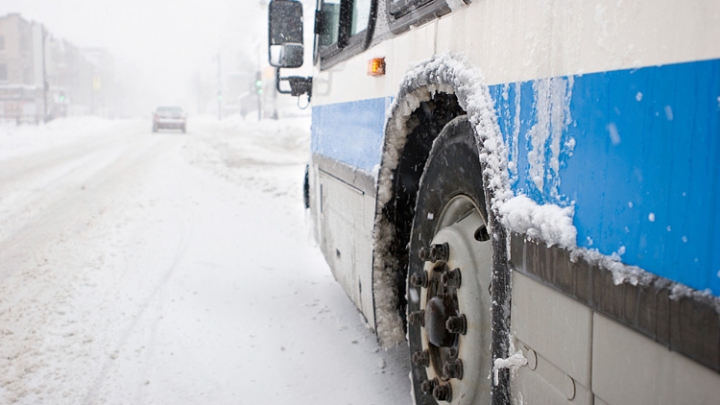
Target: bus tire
x,y
449,275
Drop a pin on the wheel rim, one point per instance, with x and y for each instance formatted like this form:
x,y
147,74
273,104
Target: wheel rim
x,y
454,317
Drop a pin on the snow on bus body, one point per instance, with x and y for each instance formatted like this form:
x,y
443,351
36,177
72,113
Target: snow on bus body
x,y
641,171
602,122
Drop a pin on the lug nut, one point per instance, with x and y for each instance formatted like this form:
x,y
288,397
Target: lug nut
x,y
453,369
424,254
457,324
417,318
419,279
443,392
439,252
481,234
451,278
421,358
428,386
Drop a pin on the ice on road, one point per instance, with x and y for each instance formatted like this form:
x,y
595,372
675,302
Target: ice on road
x,y
170,268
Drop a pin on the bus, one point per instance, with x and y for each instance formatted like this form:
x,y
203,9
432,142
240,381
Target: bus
x,y
527,193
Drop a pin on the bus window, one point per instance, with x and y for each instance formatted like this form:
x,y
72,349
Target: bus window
x,y
401,7
341,27
329,32
360,16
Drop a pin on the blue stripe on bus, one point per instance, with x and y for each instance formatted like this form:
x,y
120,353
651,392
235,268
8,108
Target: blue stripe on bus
x,y
351,133
644,172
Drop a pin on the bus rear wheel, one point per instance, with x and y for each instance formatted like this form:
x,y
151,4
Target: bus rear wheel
x,y
450,270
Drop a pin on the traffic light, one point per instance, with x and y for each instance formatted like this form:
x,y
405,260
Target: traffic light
x,y
258,83
61,97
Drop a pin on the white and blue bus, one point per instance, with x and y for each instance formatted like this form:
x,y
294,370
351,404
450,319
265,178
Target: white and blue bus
x,y
527,192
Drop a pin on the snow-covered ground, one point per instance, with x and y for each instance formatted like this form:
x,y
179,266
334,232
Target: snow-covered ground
x,y
169,268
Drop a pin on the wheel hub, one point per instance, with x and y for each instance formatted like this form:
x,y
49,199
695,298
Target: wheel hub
x,y
454,327
438,311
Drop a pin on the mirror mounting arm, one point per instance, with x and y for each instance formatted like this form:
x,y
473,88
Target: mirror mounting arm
x,y
320,26
298,85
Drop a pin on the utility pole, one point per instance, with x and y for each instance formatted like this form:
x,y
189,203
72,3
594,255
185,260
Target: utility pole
x,y
219,90
259,93
92,92
275,109
46,85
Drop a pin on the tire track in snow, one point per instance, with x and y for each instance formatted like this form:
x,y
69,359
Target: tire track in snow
x,y
58,214
16,169
46,211
93,393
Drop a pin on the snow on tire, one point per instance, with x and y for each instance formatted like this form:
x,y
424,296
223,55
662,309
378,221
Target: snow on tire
x,y
450,271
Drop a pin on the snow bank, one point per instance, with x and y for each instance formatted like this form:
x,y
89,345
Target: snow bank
x,y
258,155
19,140
81,124
57,126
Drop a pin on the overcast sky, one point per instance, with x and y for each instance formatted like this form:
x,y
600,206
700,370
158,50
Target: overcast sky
x,y
168,40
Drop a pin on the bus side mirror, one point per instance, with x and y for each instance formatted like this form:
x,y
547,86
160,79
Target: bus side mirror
x,y
285,34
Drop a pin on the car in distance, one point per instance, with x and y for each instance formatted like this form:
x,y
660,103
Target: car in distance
x,y
169,117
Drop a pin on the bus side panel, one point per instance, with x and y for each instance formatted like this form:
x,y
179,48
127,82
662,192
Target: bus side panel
x,y
350,132
346,142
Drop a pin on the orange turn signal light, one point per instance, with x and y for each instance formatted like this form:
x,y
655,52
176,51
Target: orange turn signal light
x,y
376,67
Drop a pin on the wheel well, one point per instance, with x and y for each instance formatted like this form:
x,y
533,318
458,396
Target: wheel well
x,y
425,123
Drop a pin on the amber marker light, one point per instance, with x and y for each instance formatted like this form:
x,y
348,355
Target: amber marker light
x,y
376,67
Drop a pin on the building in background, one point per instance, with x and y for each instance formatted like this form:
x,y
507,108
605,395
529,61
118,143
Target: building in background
x,y
21,81
44,77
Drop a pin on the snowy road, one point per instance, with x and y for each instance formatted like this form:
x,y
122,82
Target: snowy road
x,y
170,268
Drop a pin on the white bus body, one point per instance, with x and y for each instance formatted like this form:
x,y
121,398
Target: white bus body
x,y
596,127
